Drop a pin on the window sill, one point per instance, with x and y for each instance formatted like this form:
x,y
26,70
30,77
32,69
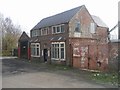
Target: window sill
x,y
58,33
55,59
35,56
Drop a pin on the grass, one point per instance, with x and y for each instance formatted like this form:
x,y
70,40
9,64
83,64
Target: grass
x,y
110,78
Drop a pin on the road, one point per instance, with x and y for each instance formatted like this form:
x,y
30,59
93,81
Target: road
x,y
21,74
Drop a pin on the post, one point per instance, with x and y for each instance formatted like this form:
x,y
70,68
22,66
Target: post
x,y
29,51
18,49
71,55
88,58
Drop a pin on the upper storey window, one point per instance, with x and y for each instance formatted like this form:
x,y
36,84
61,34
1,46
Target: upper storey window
x,y
35,33
77,27
44,31
92,27
58,29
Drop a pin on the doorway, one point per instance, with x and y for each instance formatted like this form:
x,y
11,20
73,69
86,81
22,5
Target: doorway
x,y
24,49
45,55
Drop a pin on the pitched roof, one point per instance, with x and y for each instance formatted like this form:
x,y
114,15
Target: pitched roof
x,y
63,17
98,21
53,39
24,37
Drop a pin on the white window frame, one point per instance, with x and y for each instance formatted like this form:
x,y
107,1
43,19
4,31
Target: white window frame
x,y
59,51
56,29
36,33
79,27
36,49
46,31
92,27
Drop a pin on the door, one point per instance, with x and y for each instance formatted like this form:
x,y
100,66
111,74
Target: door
x,y
24,49
45,55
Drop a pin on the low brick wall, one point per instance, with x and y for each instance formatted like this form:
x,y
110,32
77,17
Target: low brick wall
x,y
113,55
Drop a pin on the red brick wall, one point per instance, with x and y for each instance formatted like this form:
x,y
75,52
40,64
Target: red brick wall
x,y
85,19
87,49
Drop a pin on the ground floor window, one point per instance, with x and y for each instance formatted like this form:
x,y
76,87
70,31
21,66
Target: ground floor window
x,y
35,49
58,50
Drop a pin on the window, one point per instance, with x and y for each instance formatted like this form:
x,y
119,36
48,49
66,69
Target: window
x,y
77,32
44,31
35,49
77,27
54,29
58,29
58,50
92,27
62,28
35,33
62,51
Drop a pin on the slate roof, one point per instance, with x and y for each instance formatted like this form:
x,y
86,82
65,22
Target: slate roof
x,y
53,39
63,17
34,39
24,37
60,38
98,21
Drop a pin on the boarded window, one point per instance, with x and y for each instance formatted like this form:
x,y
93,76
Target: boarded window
x,y
92,27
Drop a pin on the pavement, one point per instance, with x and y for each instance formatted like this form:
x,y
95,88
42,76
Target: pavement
x,y
17,73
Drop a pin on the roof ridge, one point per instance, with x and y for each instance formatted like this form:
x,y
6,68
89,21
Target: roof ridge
x,y
64,11
62,17
24,36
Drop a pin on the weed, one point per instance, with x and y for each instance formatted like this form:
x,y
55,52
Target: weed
x,y
111,78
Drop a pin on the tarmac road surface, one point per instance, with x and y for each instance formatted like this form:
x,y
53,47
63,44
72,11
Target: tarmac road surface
x,y
21,74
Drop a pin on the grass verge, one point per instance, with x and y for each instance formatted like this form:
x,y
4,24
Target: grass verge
x,y
102,77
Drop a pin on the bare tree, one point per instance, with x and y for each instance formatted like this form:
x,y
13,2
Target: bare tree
x,y
10,33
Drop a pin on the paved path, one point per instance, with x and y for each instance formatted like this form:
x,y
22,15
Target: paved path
x,y
22,74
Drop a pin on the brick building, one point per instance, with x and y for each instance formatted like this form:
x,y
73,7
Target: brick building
x,y
73,37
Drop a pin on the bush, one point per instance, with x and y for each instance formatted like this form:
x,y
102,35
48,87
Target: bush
x,y
6,53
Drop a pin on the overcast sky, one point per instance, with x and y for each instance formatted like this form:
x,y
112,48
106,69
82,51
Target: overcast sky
x,y
27,13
